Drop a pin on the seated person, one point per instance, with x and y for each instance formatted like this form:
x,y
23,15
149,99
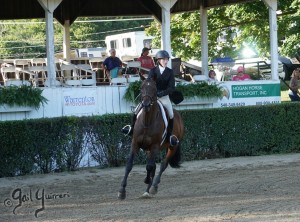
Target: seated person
x,y
146,61
211,76
241,75
112,65
294,86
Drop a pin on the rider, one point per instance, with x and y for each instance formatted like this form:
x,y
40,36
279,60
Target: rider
x,y
165,83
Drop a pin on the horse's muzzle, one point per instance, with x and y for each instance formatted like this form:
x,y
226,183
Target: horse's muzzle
x,y
147,102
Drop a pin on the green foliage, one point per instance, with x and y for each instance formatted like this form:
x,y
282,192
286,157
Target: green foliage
x,y
133,91
202,89
29,42
199,89
58,144
22,96
240,25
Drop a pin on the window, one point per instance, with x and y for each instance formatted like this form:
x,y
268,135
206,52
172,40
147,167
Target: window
x,y
126,42
83,54
114,44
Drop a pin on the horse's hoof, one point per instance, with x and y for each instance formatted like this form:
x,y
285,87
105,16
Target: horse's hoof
x,y
122,195
153,190
146,195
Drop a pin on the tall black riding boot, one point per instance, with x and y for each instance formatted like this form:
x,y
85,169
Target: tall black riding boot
x,y
128,129
170,137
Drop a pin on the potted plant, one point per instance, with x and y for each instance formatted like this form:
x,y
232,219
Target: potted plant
x,y
191,91
20,98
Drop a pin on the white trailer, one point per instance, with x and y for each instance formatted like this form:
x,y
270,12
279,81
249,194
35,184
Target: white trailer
x,y
91,52
129,44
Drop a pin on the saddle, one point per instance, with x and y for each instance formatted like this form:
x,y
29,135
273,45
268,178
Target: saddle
x,y
165,117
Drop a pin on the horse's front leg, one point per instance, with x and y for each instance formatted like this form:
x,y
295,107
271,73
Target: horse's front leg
x,y
151,168
154,187
163,166
129,165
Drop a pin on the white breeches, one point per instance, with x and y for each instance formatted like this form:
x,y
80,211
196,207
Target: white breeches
x,y
165,100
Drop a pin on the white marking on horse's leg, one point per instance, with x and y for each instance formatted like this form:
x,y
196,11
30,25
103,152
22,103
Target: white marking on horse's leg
x,y
146,195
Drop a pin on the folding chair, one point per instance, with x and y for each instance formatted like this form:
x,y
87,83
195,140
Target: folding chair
x,y
38,62
69,74
136,65
22,64
118,81
87,76
40,74
9,73
96,66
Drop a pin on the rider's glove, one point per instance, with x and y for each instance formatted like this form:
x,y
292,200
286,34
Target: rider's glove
x,y
160,93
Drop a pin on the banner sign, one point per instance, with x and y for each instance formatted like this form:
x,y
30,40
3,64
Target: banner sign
x,y
246,93
79,102
255,90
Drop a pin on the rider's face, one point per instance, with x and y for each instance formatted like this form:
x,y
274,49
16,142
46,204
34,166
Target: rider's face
x,y
164,62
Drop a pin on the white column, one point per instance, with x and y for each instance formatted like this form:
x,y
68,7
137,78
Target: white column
x,y
49,7
272,4
166,5
66,41
204,41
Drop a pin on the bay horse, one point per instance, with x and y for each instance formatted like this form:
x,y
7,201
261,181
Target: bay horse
x,y
147,135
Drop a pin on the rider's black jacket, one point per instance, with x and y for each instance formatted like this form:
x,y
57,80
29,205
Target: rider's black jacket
x,y
165,82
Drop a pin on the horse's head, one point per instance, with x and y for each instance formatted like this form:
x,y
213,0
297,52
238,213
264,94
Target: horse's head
x,y
148,93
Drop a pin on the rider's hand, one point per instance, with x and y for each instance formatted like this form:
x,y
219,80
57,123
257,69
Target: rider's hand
x,y
160,93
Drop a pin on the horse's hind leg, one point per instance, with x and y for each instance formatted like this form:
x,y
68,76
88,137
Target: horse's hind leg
x,y
129,165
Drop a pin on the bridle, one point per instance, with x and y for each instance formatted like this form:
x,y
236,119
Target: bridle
x,y
148,100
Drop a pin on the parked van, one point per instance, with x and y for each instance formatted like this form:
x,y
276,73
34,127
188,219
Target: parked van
x,y
129,44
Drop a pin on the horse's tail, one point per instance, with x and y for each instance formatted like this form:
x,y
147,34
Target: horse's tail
x,y
175,160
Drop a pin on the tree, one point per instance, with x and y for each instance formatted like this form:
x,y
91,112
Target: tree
x,y
233,27
27,38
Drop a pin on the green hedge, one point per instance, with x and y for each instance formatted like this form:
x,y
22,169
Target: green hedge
x,y
58,144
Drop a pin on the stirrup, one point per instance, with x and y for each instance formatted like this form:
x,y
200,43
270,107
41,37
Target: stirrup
x,y
127,130
174,140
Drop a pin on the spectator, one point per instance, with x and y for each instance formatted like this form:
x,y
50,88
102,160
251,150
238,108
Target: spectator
x,y
211,76
294,85
241,75
112,65
146,61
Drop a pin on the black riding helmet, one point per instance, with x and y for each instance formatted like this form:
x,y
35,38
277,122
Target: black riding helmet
x,y
162,54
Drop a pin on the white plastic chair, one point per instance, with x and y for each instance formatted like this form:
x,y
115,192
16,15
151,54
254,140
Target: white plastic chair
x,y
40,74
9,72
118,81
133,64
200,78
38,62
87,76
69,74
95,63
